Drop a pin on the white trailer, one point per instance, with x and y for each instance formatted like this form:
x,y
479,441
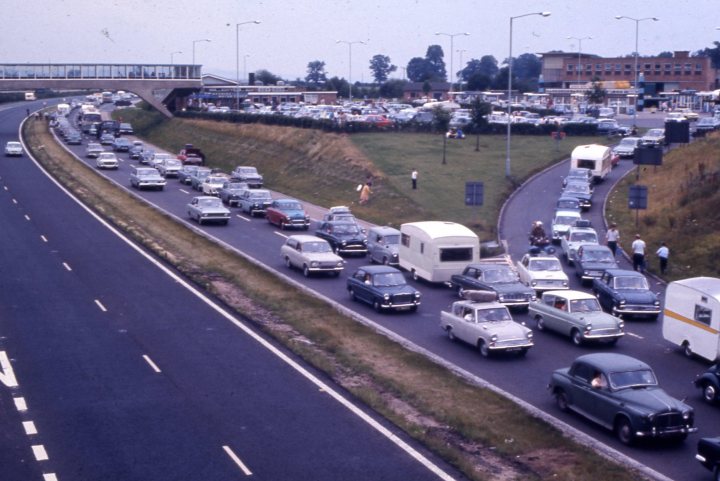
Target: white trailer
x,y
597,158
435,250
691,318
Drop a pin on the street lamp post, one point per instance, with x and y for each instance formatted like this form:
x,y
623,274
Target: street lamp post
x,y
245,66
509,103
193,49
350,44
637,28
172,57
237,59
579,39
452,37
461,51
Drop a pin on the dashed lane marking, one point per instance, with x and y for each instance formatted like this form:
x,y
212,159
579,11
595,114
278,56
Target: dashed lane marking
x,y
40,453
27,217
7,375
20,404
281,234
636,336
242,217
100,305
152,364
67,267
44,239
237,460
50,477
29,427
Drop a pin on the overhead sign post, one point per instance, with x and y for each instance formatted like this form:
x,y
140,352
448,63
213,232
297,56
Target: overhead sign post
x,y
637,199
474,193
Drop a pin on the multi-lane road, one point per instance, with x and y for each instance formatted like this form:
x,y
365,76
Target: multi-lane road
x,y
261,241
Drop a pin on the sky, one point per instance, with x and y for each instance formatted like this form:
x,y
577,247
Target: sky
x,y
292,33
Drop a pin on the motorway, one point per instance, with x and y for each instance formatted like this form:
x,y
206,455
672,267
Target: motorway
x,y
256,238
113,368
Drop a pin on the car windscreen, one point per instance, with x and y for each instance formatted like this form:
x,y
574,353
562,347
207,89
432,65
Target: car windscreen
x,y
631,282
260,196
499,276
392,239
388,279
578,188
493,315
209,202
585,305
316,247
589,237
565,220
568,204
598,256
545,265
638,378
350,229
290,206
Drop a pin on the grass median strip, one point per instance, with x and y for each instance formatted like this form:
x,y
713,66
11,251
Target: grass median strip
x,y
473,428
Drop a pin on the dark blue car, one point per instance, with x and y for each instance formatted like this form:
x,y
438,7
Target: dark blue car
x,y
626,293
384,288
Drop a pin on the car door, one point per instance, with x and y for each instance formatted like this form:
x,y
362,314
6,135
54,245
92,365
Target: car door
x,y
556,306
522,270
603,290
362,285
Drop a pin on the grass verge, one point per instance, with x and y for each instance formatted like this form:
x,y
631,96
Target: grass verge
x,y
481,433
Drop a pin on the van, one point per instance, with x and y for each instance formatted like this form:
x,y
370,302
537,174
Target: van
x,y
383,244
597,158
435,250
30,96
691,318
63,109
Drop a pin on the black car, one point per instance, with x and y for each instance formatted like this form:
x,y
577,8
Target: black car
x,y
709,382
121,144
344,237
582,191
146,156
578,174
497,278
626,293
384,288
230,192
136,151
186,172
591,261
708,453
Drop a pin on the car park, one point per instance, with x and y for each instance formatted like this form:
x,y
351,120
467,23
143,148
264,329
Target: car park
x,y
287,213
578,174
205,209
121,144
142,177
169,167
483,322
248,175
626,293
708,453
621,394
13,149
591,261
627,147
344,237
93,150
383,245
311,255
384,288
582,191
497,277
577,315
709,384
653,137
542,272
107,160
212,184
254,201
578,235
561,223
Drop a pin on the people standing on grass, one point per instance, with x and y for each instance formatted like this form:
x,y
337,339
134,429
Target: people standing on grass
x,y
638,251
414,177
663,253
612,237
365,193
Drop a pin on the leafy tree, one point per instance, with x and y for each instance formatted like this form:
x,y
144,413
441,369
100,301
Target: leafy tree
x,y
480,73
489,66
596,94
426,88
441,120
501,79
392,89
432,67
381,68
341,86
316,72
479,81
665,54
435,56
418,69
478,115
266,77
713,53
527,66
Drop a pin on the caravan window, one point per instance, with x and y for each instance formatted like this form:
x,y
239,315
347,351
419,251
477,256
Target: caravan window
x,y
586,164
703,314
455,254
405,239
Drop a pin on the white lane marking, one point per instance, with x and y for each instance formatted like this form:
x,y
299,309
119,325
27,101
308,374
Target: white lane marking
x,y
184,191
50,477
99,304
40,453
152,364
634,335
14,201
7,375
242,217
44,239
266,344
5,187
20,404
281,234
27,217
29,427
237,460
67,266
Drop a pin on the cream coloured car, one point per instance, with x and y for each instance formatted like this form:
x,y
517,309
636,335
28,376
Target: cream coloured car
x,y
311,254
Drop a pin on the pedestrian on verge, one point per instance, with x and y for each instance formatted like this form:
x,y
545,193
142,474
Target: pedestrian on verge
x,y
638,250
612,236
414,177
365,193
663,253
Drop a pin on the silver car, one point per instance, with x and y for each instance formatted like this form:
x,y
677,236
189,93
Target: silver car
x,y
311,254
13,149
206,208
383,244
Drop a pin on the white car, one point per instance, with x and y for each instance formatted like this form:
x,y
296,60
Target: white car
x,y
213,183
542,272
13,149
627,147
561,223
311,254
576,237
107,160
158,157
169,167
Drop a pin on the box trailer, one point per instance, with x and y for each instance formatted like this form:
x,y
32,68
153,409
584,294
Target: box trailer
x,y
435,250
691,318
597,158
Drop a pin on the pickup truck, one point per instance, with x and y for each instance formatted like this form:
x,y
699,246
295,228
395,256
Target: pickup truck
x,y
486,324
497,275
191,155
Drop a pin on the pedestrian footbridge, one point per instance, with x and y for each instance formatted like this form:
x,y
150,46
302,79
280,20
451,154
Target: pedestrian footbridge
x,y
164,86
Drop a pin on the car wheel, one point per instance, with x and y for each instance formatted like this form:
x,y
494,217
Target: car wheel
x,y
282,225
461,292
306,271
716,473
540,322
483,348
450,333
352,294
709,392
577,338
522,352
561,400
385,261
414,275
687,350
624,431
288,264
377,306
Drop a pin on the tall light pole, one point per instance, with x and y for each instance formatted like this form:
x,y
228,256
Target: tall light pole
x,y
245,66
452,37
461,51
193,44
350,44
637,28
509,103
172,57
237,59
579,39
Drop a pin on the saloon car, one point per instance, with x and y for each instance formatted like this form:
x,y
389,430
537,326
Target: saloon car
x,y
169,167
311,255
582,191
653,137
493,277
212,184
197,178
626,293
93,149
158,157
621,393
561,223
230,192
208,209
107,139
254,201
121,144
486,325
344,237
249,175
186,172
577,236
576,314
383,245
568,203
591,261
709,383
287,213
542,272
384,288
708,453
107,160
627,147
146,178
579,174
13,148
339,212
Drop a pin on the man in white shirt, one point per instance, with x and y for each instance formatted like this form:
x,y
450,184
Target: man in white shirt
x,y
663,253
638,249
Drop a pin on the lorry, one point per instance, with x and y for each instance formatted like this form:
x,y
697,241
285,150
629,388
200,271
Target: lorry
x,y
691,318
597,158
63,109
30,96
435,250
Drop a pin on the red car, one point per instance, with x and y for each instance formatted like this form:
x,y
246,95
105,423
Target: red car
x,y
286,213
191,156
379,121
